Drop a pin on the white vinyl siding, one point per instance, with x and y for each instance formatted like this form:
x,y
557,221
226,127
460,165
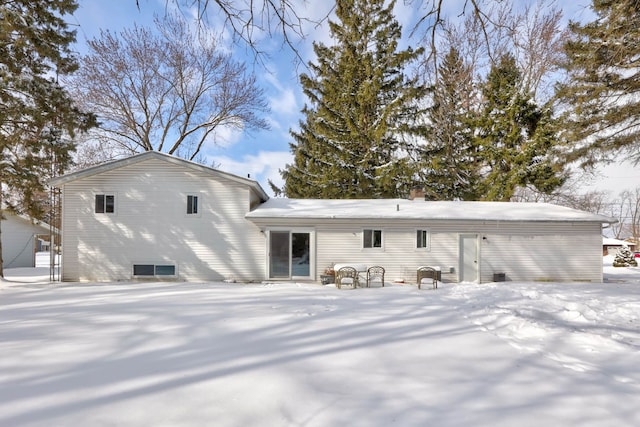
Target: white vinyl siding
x,y
71,230
550,252
151,226
536,251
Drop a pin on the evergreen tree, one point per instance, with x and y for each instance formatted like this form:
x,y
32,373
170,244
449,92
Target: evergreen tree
x,y
624,258
362,108
604,81
35,111
514,137
448,164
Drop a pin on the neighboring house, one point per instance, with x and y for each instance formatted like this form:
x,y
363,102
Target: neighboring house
x,y
611,246
157,216
20,239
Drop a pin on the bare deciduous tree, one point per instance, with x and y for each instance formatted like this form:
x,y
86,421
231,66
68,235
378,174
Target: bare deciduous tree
x,y
629,217
616,210
538,42
167,90
249,21
634,215
534,35
625,208
433,20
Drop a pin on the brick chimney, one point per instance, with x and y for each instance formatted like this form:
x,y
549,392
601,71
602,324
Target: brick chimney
x,y
417,192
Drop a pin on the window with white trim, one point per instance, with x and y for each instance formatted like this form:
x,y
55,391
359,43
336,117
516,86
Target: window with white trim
x,y
423,239
192,204
105,203
371,238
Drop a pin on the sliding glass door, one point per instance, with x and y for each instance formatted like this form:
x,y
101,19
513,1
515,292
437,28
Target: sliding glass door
x,y
300,255
290,254
279,251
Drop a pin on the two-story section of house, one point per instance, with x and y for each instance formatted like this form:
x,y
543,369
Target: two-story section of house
x,y
156,216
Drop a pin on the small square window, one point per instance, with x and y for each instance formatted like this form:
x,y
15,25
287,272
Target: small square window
x,y
105,203
192,205
372,239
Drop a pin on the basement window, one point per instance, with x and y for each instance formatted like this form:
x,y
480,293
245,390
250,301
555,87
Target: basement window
x,y
154,270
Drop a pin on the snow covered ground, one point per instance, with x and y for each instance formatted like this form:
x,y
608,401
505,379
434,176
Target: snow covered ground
x,y
214,354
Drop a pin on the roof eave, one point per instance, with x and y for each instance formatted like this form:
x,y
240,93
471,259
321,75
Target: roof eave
x,y
128,161
252,217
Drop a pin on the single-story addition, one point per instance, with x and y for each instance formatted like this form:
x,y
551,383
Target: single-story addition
x,y
157,216
20,239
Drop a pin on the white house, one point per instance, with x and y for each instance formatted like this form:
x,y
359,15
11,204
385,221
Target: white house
x,y
19,240
157,216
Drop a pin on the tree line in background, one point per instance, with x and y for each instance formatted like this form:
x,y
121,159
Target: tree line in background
x,y
498,105
483,121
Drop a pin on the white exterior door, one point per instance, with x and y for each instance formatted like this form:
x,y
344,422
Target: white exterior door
x,y
469,258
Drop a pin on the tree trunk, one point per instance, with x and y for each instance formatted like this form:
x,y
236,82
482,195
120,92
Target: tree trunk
x,y
1,218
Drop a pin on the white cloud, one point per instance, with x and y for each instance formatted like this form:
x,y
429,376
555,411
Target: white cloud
x,y
263,167
225,136
284,103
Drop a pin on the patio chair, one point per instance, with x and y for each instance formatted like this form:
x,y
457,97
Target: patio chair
x,y
347,276
426,275
375,273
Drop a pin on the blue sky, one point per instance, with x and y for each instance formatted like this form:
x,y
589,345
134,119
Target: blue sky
x,y
262,154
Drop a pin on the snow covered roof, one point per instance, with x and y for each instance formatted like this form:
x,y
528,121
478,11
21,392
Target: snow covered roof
x,y
136,158
607,241
418,209
35,223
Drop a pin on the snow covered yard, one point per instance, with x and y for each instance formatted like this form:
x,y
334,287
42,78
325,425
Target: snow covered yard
x,y
212,354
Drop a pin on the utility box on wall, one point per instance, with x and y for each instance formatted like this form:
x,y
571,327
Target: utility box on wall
x,y
499,277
